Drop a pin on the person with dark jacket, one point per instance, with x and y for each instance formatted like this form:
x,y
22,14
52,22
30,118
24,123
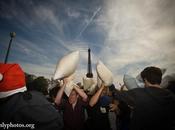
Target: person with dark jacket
x,y
24,109
151,107
171,86
99,107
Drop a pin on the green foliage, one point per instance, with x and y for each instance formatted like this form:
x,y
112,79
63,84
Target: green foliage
x,y
29,79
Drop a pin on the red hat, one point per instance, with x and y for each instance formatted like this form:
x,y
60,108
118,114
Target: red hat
x,y
12,80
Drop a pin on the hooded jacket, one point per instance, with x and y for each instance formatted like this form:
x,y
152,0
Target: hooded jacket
x,y
152,108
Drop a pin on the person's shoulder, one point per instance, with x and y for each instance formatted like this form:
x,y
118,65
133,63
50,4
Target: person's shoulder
x,y
135,91
161,91
34,98
162,94
170,93
34,105
31,101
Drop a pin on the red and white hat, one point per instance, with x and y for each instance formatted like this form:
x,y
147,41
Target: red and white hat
x,y
12,80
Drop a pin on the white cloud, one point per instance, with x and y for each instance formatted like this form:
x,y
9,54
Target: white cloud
x,y
73,13
46,70
134,37
137,33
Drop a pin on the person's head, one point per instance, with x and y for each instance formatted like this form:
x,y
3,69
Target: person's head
x,y
73,97
111,90
151,76
39,84
53,92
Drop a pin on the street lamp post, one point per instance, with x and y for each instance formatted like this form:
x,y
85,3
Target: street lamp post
x,y
12,35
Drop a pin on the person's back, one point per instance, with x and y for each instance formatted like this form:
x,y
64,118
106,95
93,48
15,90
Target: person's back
x,y
99,118
171,86
30,108
20,108
99,107
151,107
154,109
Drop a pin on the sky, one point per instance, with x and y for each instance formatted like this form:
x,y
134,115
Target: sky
x,y
126,35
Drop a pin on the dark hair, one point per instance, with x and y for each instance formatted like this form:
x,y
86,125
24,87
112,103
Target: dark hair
x,y
74,91
53,92
152,74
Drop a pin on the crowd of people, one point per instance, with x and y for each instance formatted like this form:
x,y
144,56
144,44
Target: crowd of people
x,y
148,108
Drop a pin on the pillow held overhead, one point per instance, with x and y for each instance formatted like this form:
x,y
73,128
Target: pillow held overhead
x,y
67,65
68,88
131,82
87,83
104,74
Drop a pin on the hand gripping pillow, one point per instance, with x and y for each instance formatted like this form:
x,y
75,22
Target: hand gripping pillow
x,y
67,65
104,74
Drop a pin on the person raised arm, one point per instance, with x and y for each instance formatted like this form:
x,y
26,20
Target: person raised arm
x,y
81,93
60,92
96,96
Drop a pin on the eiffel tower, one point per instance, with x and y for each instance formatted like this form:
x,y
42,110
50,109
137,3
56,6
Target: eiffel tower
x,y
89,67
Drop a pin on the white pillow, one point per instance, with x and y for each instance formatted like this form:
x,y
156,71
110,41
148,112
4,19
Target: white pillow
x,y
99,82
68,88
92,89
129,82
166,79
67,65
104,74
87,83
